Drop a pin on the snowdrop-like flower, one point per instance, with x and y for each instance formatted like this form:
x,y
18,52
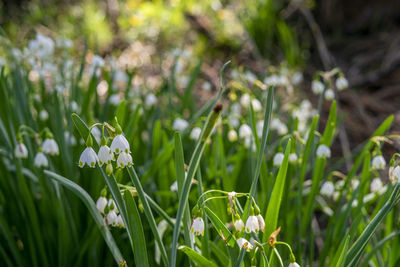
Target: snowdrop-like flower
x,y
206,86
150,100
317,87
180,124
43,115
244,244
329,95
292,158
197,226
112,217
195,133
376,185
120,144
245,131
124,159
21,151
355,183
378,162
256,105
297,78
96,134
323,151
69,138
114,100
261,223
174,187
74,106
232,135
252,224
88,157
239,225
111,204
396,174
105,155
341,83
280,127
278,158
50,147
41,160
327,189
245,100
101,204
294,264
119,222
234,122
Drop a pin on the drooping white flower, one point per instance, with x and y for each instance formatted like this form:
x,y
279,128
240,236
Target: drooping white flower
x,y
119,222
21,151
197,226
74,106
245,100
252,224
101,204
236,109
278,159
261,222
114,99
244,244
327,189
355,183
111,204
43,115
234,122
294,264
96,134
378,162
329,95
124,159
245,131
112,217
376,185
120,144
323,151
232,135
396,174
105,155
255,103
88,157
297,78
179,124
195,133
278,126
174,187
206,86
239,225
293,158
50,147
317,87
341,83
41,160
150,100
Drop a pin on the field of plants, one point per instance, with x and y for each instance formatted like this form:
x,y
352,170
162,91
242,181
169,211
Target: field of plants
x,y
224,151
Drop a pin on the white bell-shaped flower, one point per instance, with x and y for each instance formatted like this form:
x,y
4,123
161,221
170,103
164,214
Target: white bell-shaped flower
x,y
293,158
101,204
88,157
317,87
150,100
278,159
294,264
376,185
255,103
50,147
112,217
43,115
341,83
41,160
197,226
21,151
105,155
245,131
239,225
245,100
323,151
327,189
378,162
119,222
124,159
252,224
195,133
261,223
120,144
329,95
232,135
244,244
396,174
174,187
179,124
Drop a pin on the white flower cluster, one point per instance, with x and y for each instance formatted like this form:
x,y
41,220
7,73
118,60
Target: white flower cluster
x,y
49,146
110,211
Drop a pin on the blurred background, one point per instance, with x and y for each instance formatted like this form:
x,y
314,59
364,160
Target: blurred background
x,y
362,38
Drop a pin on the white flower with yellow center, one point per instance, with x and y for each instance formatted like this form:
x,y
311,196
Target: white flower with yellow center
x,y
378,162
120,144
124,159
88,157
105,155
239,225
41,160
244,244
50,147
252,224
197,226
21,151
